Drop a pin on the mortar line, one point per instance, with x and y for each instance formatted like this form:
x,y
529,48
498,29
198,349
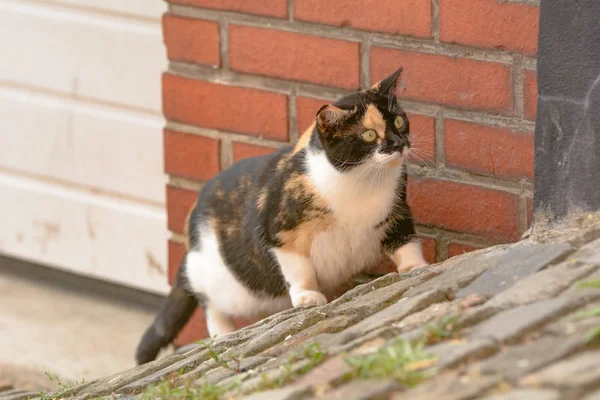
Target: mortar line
x,y
184,183
277,85
224,42
517,76
440,155
435,20
293,116
290,10
522,214
218,134
365,64
225,152
348,34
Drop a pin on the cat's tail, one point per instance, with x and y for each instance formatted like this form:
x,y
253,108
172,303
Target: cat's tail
x,y
173,314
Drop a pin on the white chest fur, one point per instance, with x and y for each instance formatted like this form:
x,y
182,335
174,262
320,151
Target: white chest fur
x,y
359,199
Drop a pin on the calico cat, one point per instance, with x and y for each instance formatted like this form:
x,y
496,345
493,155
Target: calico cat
x,y
282,230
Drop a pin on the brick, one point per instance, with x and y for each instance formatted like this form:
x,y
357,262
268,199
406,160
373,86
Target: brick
x,y
191,40
307,110
456,249
176,253
179,204
490,24
530,94
422,137
464,208
488,150
194,330
388,16
428,245
230,108
314,59
244,150
190,156
271,8
457,82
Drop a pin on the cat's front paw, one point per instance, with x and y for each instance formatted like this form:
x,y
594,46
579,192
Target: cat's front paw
x,y
403,268
309,298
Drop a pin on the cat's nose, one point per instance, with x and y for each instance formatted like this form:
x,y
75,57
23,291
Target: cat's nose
x,y
395,144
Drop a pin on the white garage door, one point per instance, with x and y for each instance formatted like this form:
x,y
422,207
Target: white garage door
x,y
81,181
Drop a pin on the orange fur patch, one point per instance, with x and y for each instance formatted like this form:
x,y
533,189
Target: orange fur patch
x,y
186,226
304,139
261,200
299,240
373,119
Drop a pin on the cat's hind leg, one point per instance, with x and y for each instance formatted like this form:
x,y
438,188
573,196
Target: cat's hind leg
x,y
218,324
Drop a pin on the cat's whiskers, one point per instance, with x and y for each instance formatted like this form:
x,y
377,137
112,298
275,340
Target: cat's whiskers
x,y
423,157
364,174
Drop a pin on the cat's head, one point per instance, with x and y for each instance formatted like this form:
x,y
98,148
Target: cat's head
x,y
365,127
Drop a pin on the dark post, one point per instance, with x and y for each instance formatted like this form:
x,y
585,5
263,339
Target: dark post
x,y
567,131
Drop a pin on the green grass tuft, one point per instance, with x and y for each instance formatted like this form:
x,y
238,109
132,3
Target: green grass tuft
x,y
406,361
311,353
174,388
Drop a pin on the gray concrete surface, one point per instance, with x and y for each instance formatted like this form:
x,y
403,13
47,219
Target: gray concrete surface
x,y
63,326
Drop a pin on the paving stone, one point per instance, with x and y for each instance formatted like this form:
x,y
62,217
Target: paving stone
x,y
518,262
276,375
574,322
361,390
435,311
593,396
106,386
449,386
458,273
577,290
363,289
138,385
543,285
511,324
371,302
218,374
520,360
573,376
589,253
279,332
331,371
526,394
394,313
295,342
15,394
453,352
291,392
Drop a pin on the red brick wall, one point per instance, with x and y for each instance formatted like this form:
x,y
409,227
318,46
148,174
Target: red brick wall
x,y
468,84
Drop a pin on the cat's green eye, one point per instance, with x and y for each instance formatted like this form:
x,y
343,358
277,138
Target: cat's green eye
x,y
368,136
398,122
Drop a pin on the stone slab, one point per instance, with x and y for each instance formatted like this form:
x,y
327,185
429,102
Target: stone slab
x,y
511,324
593,396
453,352
543,285
574,374
520,360
526,394
449,386
516,263
360,390
394,313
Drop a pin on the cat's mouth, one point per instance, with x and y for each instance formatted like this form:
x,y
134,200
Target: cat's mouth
x,y
390,159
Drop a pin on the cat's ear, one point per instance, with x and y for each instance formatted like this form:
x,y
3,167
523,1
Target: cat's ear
x,y
387,85
329,117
